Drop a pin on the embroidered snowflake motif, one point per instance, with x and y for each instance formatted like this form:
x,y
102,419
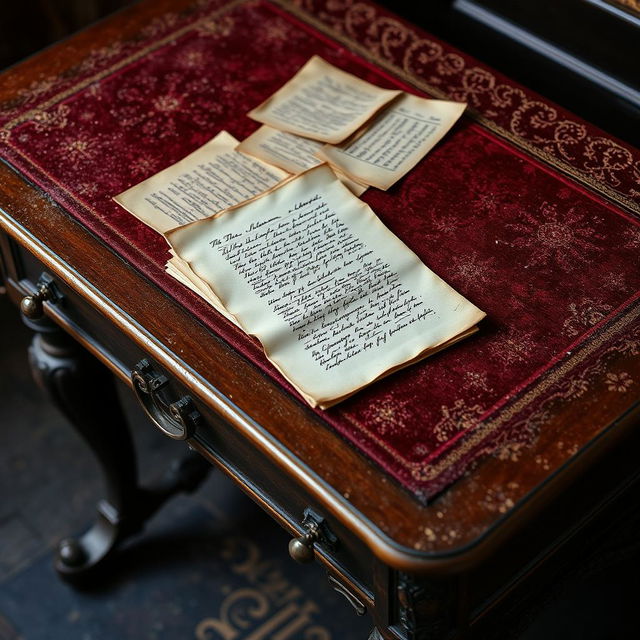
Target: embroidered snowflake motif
x,y
555,240
512,347
620,382
633,238
471,270
447,224
584,315
387,415
485,202
167,103
458,417
80,149
477,380
191,59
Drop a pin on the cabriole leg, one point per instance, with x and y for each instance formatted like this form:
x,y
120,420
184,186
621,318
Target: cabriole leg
x,y
84,390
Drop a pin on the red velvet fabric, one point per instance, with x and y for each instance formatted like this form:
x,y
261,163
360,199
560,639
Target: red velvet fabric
x,y
491,210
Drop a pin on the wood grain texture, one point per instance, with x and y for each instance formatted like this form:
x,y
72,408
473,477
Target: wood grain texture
x,y
478,512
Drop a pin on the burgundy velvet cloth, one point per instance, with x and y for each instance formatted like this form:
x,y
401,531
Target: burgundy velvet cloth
x,y
505,209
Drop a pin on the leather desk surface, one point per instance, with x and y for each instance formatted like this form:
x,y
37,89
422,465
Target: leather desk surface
x,y
463,527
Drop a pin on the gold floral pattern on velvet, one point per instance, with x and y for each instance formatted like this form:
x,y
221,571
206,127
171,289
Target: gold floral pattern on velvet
x,y
387,415
585,314
456,417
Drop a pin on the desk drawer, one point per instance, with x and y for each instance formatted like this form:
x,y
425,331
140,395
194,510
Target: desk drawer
x,y
347,559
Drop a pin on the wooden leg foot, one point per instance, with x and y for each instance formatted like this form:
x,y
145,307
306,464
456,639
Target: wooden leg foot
x,y
84,390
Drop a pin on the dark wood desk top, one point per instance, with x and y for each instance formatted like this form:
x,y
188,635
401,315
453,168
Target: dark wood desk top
x,y
462,525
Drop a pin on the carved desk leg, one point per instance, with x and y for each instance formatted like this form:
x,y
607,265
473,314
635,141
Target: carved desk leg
x,y
420,608
84,390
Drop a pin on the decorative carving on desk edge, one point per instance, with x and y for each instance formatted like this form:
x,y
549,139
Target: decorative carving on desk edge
x,y
425,607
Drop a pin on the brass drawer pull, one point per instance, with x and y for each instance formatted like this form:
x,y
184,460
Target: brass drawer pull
x,y
178,419
301,548
31,305
316,531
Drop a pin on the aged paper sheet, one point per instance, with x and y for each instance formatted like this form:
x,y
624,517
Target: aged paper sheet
x,y
322,102
335,298
290,152
395,141
181,271
212,178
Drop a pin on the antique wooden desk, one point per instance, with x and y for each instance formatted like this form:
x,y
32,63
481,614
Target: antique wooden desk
x,y
465,560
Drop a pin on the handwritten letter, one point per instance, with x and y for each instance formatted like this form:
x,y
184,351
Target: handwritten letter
x,y
334,297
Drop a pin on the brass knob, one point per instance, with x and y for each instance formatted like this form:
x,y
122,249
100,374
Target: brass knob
x,y
301,549
31,306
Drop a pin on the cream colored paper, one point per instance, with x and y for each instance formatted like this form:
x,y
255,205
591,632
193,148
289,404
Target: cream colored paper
x,y
322,102
395,141
212,178
290,152
182,272
355,187
335,298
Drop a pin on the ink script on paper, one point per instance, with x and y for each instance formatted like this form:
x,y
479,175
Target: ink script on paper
x,y
212,178
336,299
322,102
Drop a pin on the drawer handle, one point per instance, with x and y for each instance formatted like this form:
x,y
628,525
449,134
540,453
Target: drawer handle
x,y
316,531
301,548
31,305
179,419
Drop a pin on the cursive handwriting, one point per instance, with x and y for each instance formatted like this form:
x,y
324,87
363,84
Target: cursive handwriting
x,y
336,296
